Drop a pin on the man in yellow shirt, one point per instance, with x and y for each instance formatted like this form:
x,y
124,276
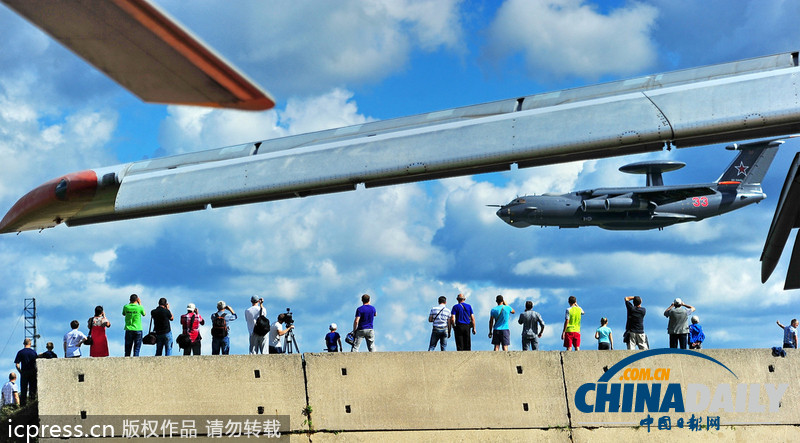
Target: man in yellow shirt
x,y
571,334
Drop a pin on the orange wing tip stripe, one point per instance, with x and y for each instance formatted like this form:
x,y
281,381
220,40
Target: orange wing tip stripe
x,y
730,183
251,96
51,203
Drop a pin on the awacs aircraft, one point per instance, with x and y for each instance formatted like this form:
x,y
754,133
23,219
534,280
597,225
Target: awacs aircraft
x,y
144,50
652,206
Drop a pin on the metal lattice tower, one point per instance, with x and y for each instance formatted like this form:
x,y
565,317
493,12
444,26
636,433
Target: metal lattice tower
x,y
30,321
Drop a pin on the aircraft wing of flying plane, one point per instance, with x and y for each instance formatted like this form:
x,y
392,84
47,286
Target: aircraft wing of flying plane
x,y
712,104
786,218
653,206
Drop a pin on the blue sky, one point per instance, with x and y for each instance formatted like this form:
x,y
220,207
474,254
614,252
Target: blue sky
x,y
332,64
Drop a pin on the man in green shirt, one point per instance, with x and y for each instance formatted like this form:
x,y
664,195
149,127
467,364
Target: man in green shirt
x,y
571,334
133,313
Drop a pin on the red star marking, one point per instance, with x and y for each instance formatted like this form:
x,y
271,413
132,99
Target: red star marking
x,y
741,169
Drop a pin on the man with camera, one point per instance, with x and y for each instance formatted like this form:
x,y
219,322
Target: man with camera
x,y
161,317
678,325
251,316
220,342
275,334
133,313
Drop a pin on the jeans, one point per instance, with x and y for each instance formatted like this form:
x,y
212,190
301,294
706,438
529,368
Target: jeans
x,y
463,339
677,339
164,342
133,339
438,336
194,348
530,342
275,350
220,345
365,334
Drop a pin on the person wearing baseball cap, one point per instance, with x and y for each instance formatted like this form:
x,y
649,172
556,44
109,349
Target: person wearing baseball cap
x,y
333,341
678,325
191,322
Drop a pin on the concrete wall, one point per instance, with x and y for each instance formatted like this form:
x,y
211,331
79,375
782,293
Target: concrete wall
x,y
424,396
442,390
89,390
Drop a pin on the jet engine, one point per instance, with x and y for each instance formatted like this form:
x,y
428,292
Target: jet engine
x,y
618,204
594,205
614,204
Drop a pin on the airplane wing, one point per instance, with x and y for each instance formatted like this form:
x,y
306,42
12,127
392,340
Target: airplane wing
x,y
721,103
787,216
146,51
659,195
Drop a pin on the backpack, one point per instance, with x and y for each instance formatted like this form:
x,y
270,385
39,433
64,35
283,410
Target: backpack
x,y
219,326
262,325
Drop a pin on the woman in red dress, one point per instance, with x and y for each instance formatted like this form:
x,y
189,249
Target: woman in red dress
x,y
97,330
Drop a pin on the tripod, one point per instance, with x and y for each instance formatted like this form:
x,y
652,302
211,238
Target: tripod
x,y
290,340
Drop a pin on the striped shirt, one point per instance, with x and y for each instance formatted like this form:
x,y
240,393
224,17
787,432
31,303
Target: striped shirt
x,y
441,315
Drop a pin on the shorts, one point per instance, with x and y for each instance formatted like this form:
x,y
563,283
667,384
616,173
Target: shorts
x,y
572,339
501,337
603,346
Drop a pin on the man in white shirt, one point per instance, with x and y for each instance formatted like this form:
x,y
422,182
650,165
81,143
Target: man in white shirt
x,y
73,340
275,334
10,392
440,317
251,315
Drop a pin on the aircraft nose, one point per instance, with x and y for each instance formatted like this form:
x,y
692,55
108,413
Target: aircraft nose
x,y
504,213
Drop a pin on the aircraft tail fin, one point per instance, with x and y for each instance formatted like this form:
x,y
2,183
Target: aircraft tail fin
x,y
752,163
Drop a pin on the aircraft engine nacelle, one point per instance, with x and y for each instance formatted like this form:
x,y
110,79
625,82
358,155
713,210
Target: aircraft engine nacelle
x,y
618,204
594,205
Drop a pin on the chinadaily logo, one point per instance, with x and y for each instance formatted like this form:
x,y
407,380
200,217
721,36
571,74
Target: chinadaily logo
x,y
631,386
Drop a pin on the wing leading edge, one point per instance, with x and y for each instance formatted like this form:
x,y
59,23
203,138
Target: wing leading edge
x,y
146,51
685,108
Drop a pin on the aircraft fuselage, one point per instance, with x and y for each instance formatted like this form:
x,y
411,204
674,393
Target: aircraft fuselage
x,y
571,211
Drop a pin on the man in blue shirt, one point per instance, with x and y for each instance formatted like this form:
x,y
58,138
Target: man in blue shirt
x,y
498,324
362,325
463,320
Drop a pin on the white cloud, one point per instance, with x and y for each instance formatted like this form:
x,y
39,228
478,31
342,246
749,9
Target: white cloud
x,y
334,109
191,129
541,266
311,47
573,38
104,258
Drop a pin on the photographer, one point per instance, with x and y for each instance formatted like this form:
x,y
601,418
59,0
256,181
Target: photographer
x,y
251,316
275,334
220,342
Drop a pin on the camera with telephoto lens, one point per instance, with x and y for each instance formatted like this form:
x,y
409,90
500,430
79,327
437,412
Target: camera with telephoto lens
x,y
287,317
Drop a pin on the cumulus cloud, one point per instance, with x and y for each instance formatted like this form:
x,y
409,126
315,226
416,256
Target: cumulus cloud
x,y
573,38
309,48
540,266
